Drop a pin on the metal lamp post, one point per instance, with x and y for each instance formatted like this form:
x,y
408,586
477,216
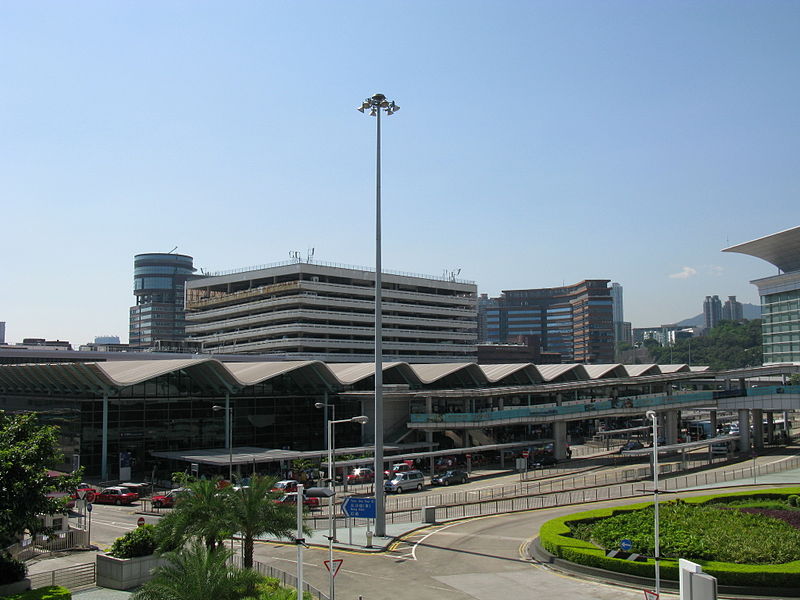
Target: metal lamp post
x,y
229,417
361,419
376,104
654,418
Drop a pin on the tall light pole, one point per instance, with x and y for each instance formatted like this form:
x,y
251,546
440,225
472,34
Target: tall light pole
x,y
376,104
362,420
651,414
229,418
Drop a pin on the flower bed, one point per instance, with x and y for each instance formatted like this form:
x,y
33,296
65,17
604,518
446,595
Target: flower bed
x,y
557,537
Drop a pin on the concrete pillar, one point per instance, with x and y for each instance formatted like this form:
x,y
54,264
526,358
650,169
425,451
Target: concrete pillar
x,y
770,427
560,440
501,403
744,430
104,448
758,428
671,420
712,417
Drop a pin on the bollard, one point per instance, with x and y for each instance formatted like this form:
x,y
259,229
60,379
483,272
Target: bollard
x,y
369,539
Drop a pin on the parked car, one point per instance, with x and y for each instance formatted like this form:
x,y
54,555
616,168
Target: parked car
x,y
544,460
450,477
631,445
168,499
361,475
286,485
401,467
115,495
410,480
291,498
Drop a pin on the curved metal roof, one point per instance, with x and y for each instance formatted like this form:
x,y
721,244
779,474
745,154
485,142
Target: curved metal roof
x,y
210,373
782,249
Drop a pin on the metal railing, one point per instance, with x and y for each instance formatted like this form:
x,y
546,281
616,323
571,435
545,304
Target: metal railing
x,y
285,579
40,546
72,578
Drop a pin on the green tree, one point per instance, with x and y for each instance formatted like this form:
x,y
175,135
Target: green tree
x,y
199,573
254,512
27,450
202,512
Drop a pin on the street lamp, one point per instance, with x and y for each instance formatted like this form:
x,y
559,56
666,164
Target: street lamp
x,y
376,104
651,414
229,417
362,420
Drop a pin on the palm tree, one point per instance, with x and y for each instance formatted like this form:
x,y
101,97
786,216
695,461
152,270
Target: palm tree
x,y
199,573
254,512
203,511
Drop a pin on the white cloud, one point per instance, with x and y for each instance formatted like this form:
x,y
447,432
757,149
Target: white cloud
x,y
684,273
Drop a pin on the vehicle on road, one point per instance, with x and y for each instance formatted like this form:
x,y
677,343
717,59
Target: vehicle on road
x,y
361,475
168,499
401,482
450,477
543,460
286,485
631,445
291,498
115,495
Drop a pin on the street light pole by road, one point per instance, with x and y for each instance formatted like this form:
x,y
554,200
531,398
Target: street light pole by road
x,y
651,414
376,104
362,420
229,418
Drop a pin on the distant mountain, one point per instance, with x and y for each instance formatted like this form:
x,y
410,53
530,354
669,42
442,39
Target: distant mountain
x,y
751,311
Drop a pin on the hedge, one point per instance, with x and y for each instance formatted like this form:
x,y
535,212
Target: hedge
x,y
50,592
554,536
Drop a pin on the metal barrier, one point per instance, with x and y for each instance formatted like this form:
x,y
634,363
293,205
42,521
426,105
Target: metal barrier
x,y
285,579
40,546
72,578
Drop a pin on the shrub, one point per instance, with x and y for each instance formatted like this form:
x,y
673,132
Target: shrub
x,y
11,570
793,499
555,537
137,542
50,592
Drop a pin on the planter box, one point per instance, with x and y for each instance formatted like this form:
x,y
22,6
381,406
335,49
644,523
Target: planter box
x,y
7,589
125,573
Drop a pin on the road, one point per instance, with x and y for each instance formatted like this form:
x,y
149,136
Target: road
x,y
477,559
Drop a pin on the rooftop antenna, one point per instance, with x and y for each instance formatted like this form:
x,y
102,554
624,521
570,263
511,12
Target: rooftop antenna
x,y
309,254
295,255
173,250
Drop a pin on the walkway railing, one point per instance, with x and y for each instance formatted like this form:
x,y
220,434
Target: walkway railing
x,y
40,546
72,578
286,579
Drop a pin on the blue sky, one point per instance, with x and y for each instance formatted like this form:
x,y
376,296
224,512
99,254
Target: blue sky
x,y
538,143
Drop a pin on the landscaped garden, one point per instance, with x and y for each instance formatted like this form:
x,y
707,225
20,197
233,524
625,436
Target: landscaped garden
x,y
743,539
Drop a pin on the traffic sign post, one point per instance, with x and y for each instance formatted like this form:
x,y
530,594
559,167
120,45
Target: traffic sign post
x,y
334,565
625,545
359,508
140,521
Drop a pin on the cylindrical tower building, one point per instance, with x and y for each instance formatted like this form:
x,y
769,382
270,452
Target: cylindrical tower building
x,y
157,319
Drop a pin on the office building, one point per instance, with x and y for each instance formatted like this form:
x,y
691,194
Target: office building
x,y
732,310
321,311
712,311
576,321
2,332
780,294
157,319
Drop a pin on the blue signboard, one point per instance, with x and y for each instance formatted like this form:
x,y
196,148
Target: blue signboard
x,y
626,545
359,508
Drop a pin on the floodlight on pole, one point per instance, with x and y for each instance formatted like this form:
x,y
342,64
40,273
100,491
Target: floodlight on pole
x,y
651,414
376,104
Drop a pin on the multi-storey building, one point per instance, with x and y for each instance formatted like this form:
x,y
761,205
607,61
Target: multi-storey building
x,y
780,294
732,310
320,311
576,321
712,311
157,319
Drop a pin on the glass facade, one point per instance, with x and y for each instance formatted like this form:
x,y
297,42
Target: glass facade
x,y
781,327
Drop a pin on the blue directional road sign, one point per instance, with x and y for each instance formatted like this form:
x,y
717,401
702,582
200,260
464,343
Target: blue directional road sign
x,y
626,544
359,508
